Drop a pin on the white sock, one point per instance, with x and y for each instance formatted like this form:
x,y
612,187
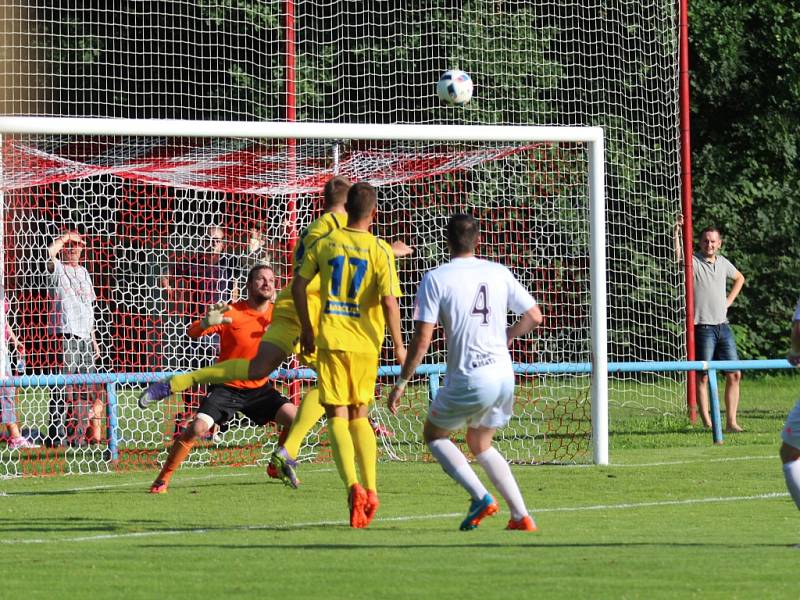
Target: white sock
x,y
457,466
499,472
791,472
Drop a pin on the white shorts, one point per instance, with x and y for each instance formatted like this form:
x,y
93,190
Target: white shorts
x,y
479,402
791,430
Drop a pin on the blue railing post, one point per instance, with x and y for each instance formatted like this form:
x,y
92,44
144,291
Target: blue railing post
x,y
433,386
113,423
713,397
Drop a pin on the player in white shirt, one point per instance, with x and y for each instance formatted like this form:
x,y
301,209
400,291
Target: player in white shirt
x,y
790,449
471,297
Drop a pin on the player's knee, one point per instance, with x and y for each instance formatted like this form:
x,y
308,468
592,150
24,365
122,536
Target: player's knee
x,y
734,377
200,425
286,414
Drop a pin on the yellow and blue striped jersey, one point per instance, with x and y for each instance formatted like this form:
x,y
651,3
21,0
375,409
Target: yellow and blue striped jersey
x,y
325,224
356,270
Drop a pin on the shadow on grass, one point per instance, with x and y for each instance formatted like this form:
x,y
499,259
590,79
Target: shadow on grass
x,y
78,524
494,545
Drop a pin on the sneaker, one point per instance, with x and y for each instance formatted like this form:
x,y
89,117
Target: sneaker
x,y
371,507
158,487
21,443
380,430
357,500
526,523
285,467
154,392
478,509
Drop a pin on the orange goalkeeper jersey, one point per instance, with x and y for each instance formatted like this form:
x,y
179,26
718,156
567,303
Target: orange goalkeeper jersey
x,y
240,338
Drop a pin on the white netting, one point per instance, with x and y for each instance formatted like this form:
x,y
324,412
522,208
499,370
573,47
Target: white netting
x,y
534,62
154,265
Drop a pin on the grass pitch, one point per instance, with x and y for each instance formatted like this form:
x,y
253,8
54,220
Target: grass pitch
x,y
673,517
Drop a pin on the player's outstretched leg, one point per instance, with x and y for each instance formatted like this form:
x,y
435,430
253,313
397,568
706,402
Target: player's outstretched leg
x,y
285,467
155,392
308,413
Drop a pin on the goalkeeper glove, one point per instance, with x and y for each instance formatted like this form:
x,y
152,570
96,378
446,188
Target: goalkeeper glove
x,y
214,315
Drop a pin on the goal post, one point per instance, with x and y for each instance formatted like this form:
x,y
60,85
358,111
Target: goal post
x,y
144,180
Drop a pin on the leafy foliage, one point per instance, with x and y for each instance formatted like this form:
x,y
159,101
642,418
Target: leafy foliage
x,y
746,133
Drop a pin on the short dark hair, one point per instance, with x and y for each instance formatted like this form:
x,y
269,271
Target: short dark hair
x,y
462,233
335,190
251,274
710,230
361,199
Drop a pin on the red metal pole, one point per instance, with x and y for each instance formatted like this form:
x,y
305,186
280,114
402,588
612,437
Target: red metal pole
x,y
295,388
686,202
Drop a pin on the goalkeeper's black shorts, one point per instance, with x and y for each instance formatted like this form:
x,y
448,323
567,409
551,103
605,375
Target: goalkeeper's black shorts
x,y
260,405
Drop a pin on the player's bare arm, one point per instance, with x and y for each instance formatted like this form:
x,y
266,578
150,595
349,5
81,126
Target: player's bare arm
x,y
401,249
391,313
299,285
420,342
529,321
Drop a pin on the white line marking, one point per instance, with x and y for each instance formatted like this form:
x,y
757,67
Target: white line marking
x,y
189,479
143,483
290,526
678,462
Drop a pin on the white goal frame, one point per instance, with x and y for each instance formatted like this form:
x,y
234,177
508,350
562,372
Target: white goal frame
x,y
591,136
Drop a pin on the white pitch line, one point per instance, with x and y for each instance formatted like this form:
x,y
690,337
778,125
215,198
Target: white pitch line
x,y
290,526
683,462
144,482
189,479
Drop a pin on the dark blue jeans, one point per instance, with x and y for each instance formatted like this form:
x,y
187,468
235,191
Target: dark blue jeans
x,y
714,342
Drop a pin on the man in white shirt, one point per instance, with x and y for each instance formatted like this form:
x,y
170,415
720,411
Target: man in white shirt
x,y
471,297
75,298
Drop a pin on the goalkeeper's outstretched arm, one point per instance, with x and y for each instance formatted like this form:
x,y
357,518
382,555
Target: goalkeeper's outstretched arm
x,y
213,321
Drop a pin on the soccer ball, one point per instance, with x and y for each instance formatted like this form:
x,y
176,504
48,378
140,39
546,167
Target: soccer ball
x,y
454,87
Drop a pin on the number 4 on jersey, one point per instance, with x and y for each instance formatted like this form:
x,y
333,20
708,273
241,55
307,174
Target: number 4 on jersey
x,y
480,305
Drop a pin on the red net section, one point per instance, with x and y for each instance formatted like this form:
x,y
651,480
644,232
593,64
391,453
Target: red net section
x,y
168,227
239,166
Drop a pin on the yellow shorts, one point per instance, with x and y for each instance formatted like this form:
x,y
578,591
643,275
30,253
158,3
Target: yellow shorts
x,y
284,331
346,378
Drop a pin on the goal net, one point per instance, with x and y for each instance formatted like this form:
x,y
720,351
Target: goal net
x,y
171,225
534,62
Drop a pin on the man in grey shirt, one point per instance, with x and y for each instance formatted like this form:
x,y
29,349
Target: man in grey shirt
x,y
713,336
75,298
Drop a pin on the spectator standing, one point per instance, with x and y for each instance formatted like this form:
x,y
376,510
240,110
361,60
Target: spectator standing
x,y
714,339
75,411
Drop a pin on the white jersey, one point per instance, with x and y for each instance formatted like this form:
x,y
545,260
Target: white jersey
x,y
76,297
471,298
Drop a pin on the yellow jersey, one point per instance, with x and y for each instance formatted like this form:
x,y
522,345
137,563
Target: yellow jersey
x,y
356,270
322,226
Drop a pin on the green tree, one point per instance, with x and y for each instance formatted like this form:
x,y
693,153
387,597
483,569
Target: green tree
x,y
745,136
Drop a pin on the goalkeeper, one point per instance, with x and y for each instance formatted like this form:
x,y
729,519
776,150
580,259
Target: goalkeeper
x,y
280,340
240,327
